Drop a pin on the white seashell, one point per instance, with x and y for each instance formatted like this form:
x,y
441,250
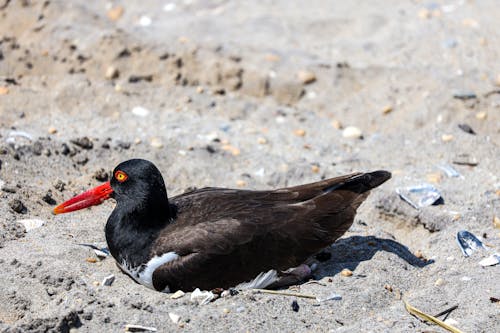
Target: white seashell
x,y
352,132
201,297
30,224
177,294
175,318
492,260
140,111
108,280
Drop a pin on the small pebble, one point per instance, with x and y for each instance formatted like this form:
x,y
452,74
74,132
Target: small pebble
x,y
177,294
262,141
112,73
336,124
470,23
306,76
419,254
52,130
241,183
175,318
156,143
4,90
145,21
481,115
226,310
91,260
352,132
115,13
108,280
497,80
299,132
200,89
466,128
295,306
496,222
446,137
434,177
439,282
465,95
30,224
346,272
424,13
271,57
83,142
169,7
235,151
101,175
315,168
387,109
140,111
18,206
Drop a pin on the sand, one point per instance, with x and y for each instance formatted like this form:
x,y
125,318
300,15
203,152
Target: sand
x,y
253,95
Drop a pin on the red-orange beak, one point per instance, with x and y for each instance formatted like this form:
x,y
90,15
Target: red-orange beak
x,y
91,197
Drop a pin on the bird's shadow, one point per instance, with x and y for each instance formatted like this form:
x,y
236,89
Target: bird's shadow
x,y
351,251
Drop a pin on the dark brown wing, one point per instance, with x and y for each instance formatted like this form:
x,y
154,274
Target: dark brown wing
x,y
225,236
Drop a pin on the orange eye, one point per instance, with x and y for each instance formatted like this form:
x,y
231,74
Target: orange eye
x,y
121,176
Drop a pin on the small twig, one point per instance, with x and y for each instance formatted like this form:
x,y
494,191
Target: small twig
x,y
489,93
283,293
446,312
314,282
416,312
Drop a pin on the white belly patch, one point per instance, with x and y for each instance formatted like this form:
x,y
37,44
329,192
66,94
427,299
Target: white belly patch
x,y
143,274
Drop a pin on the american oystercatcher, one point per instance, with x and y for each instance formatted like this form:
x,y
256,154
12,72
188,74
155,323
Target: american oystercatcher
x,y
217,237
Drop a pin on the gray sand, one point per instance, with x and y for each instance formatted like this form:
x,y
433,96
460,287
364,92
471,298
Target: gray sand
x,y
228,108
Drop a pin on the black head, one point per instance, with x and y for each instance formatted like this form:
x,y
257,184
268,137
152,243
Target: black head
x,y
138,188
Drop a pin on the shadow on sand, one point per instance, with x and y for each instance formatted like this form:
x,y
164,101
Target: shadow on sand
x,y
350,252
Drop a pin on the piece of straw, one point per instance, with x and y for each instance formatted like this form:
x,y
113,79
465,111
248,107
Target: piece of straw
x,y
416,312
284,293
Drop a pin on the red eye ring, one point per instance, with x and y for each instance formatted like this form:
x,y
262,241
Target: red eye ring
x,y
121,176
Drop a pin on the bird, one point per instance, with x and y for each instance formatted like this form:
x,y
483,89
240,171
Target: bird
x,y
216,237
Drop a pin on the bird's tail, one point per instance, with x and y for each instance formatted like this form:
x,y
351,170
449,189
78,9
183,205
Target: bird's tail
x,y
361,183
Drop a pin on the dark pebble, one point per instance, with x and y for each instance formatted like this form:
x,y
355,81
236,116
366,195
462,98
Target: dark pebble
x,y
9,189
105,145
48,198
101,175
463,96
17,206
81,159
65,149
139,78
233,292
37,148
123,144
87,315
83,142
59,185
466,128
124,54
211,149
295,306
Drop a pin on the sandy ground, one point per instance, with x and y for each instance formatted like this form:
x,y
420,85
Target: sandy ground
x,y
252,95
